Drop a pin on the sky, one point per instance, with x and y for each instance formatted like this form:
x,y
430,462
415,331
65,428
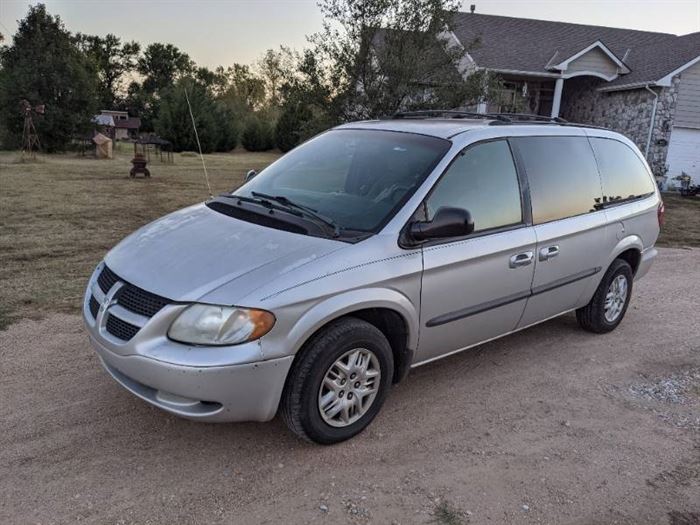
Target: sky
x,y
221,32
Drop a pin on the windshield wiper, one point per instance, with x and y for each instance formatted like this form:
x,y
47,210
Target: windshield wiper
x,y
267,203
281,199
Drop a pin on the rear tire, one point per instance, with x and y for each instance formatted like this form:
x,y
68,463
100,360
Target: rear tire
x,y
609,304
343,346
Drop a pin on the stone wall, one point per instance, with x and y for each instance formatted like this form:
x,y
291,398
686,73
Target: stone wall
x,y
627,112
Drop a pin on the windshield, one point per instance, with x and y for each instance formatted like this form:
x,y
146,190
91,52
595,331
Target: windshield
x,y
356,179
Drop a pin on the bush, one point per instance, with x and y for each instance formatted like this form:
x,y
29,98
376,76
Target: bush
x,y
257,135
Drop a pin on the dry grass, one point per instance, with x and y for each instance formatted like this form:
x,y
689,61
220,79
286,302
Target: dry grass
x,y
682,226
61,214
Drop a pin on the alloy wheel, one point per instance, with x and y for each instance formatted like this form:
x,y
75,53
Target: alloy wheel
x,y
349,387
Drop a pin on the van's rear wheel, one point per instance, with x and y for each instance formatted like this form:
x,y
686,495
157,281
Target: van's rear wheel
x,y
339,382
609,303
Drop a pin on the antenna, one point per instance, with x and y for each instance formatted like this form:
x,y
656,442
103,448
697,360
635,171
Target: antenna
x,y
196,135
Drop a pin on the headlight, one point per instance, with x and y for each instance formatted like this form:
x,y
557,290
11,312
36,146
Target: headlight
x,y
205,324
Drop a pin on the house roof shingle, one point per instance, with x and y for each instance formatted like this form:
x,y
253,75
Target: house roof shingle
x,y
653,62
521,44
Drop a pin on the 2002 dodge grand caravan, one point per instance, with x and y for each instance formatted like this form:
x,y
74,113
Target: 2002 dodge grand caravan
x,y
373,248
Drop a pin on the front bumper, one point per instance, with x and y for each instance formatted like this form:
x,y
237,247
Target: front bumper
x,y
246,392
231,383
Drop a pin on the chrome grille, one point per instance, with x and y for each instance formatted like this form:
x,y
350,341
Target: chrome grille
x,y
128,297
140,301
121,329
106,279
94,306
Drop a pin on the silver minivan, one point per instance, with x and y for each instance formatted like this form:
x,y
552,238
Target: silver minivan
x,y
371,249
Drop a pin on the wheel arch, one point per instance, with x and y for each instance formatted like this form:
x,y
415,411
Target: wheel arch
x,y
629,249
389,311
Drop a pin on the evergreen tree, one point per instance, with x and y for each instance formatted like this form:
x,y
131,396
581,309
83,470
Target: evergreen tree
x,y
44,66
289,131
257,135
214,124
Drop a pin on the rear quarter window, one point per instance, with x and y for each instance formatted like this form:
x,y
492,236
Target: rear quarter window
x,y
622,172
562,175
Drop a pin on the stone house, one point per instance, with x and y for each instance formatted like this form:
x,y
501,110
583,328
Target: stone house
x,y
643,84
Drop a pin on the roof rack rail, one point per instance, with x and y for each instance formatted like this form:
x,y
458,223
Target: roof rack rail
x,y
497,119
517,117
427,113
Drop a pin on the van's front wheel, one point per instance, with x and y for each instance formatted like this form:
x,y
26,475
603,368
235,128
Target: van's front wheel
x,y
609,303
339,382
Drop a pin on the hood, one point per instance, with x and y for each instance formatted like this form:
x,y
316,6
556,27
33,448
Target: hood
x,y
191,252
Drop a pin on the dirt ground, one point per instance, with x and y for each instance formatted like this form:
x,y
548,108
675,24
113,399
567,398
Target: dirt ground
x,y
550,425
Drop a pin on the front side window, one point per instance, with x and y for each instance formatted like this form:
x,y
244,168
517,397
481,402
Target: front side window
x,y
356,178
623,174
562,175
482,180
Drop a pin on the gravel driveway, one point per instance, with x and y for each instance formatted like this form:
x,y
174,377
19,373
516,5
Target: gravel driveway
x,y
550,425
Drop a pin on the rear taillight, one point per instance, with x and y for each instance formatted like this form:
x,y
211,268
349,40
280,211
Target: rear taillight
x,y
661,213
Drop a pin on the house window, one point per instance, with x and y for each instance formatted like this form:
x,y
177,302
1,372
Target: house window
x,y
511,97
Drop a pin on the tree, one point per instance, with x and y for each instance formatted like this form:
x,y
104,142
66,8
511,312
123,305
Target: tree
x,y
257,135
215,81
215,125
290,126
112,61
276,67
308,103
245,91
45,66
161,65
388,55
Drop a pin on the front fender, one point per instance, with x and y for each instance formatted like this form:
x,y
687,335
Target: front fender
x,y
352,301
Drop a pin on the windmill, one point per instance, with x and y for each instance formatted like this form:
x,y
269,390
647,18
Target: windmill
x,y
30,139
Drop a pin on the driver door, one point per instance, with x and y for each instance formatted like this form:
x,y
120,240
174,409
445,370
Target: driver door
x,y
475,288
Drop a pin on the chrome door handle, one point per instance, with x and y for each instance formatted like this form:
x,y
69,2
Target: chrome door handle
x,y
520,259
549,252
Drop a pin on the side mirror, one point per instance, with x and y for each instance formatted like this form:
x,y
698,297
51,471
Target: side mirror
x,y
250,175
447,222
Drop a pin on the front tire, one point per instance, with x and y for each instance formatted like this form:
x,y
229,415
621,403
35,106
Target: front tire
x,y
609,304
338,383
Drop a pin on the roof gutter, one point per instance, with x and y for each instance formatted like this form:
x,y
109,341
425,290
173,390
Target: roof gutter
x,y
652,121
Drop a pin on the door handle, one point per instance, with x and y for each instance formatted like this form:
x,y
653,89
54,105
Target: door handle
x,y
520,259
549,252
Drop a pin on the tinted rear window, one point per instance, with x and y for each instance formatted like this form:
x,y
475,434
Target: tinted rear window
x,y
623,174
563,176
